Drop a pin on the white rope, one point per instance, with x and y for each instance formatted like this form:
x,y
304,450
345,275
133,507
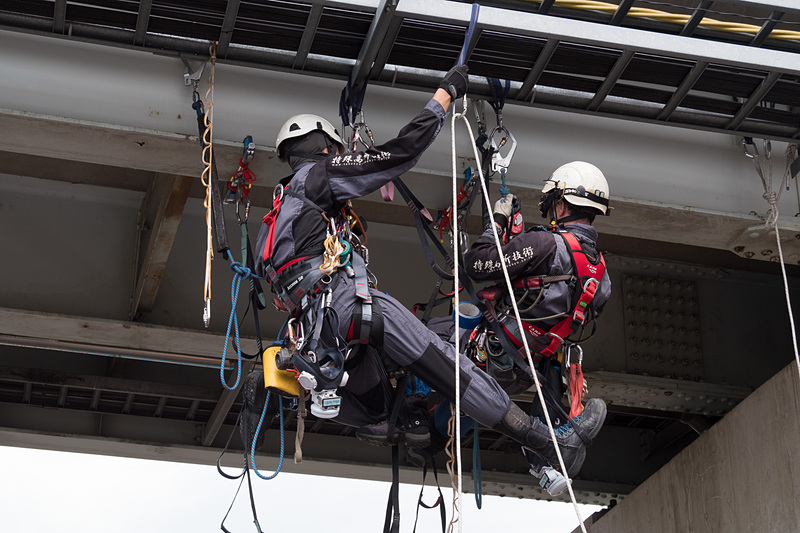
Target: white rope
x,y
510,289
764,170
457,492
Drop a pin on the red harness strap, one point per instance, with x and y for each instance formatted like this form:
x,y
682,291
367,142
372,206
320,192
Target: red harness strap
x,y
269,220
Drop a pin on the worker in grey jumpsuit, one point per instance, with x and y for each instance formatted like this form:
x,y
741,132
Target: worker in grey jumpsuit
x,y
323,180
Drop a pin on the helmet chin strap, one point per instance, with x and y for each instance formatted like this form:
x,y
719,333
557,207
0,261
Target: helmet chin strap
x,y
556,222
553,217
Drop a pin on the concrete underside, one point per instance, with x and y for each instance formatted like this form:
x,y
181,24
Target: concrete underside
x,y
741,475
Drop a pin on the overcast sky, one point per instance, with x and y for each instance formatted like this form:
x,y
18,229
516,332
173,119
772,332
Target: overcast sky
x,y
44,491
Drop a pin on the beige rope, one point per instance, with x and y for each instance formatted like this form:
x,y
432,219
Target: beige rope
x,y
208,154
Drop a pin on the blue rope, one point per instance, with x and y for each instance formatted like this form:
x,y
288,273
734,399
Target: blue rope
x,y
462,57
504,190
240,273
255,438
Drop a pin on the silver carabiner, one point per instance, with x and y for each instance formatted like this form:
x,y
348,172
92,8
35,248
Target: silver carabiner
x,y
246,202
748,141
277,194
500,162
568,355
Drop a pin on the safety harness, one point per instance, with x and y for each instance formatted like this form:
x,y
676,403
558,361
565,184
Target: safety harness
x,y
319,359
587,273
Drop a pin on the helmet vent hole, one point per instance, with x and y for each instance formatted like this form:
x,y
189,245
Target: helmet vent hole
x,y
294,126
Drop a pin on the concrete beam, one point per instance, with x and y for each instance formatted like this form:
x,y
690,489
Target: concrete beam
x,y
178,154
159,219
108,337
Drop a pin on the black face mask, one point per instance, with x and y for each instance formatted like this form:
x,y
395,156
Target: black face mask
x,y
310,147
547,201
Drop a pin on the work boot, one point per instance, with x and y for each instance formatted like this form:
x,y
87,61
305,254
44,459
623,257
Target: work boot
x,y
573,449
591,418
415,436
412,426
534,434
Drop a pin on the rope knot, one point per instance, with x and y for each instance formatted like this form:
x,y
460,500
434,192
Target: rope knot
x,y
241,270
771,197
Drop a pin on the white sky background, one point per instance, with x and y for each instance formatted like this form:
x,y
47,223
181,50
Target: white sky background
x,y
45,491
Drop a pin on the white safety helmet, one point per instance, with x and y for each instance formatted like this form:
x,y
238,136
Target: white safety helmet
x,y
300,125
578,183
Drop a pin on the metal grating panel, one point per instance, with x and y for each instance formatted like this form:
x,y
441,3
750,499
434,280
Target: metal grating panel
x,y
689,63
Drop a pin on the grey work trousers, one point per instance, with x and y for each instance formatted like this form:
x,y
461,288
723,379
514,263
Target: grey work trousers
x,y
413,346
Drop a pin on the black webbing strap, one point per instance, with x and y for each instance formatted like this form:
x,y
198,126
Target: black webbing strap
x,y
244,471
260,300
399,398
392,522
225,449
425,232
257,298
252,503
433,301
252,304
216,197
499,93
439,501
350,103
366,333
305,201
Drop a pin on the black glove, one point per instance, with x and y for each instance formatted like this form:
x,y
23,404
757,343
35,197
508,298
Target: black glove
x,y
455,82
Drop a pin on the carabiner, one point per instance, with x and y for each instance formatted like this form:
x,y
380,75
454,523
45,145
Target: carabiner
x,y
243,200
295,342
568,355
498,160
748,141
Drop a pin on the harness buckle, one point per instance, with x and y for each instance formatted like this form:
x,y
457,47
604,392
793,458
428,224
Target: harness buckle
x,y
553,335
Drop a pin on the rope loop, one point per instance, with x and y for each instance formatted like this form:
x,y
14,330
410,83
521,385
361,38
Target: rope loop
x,y
233,321
255,438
